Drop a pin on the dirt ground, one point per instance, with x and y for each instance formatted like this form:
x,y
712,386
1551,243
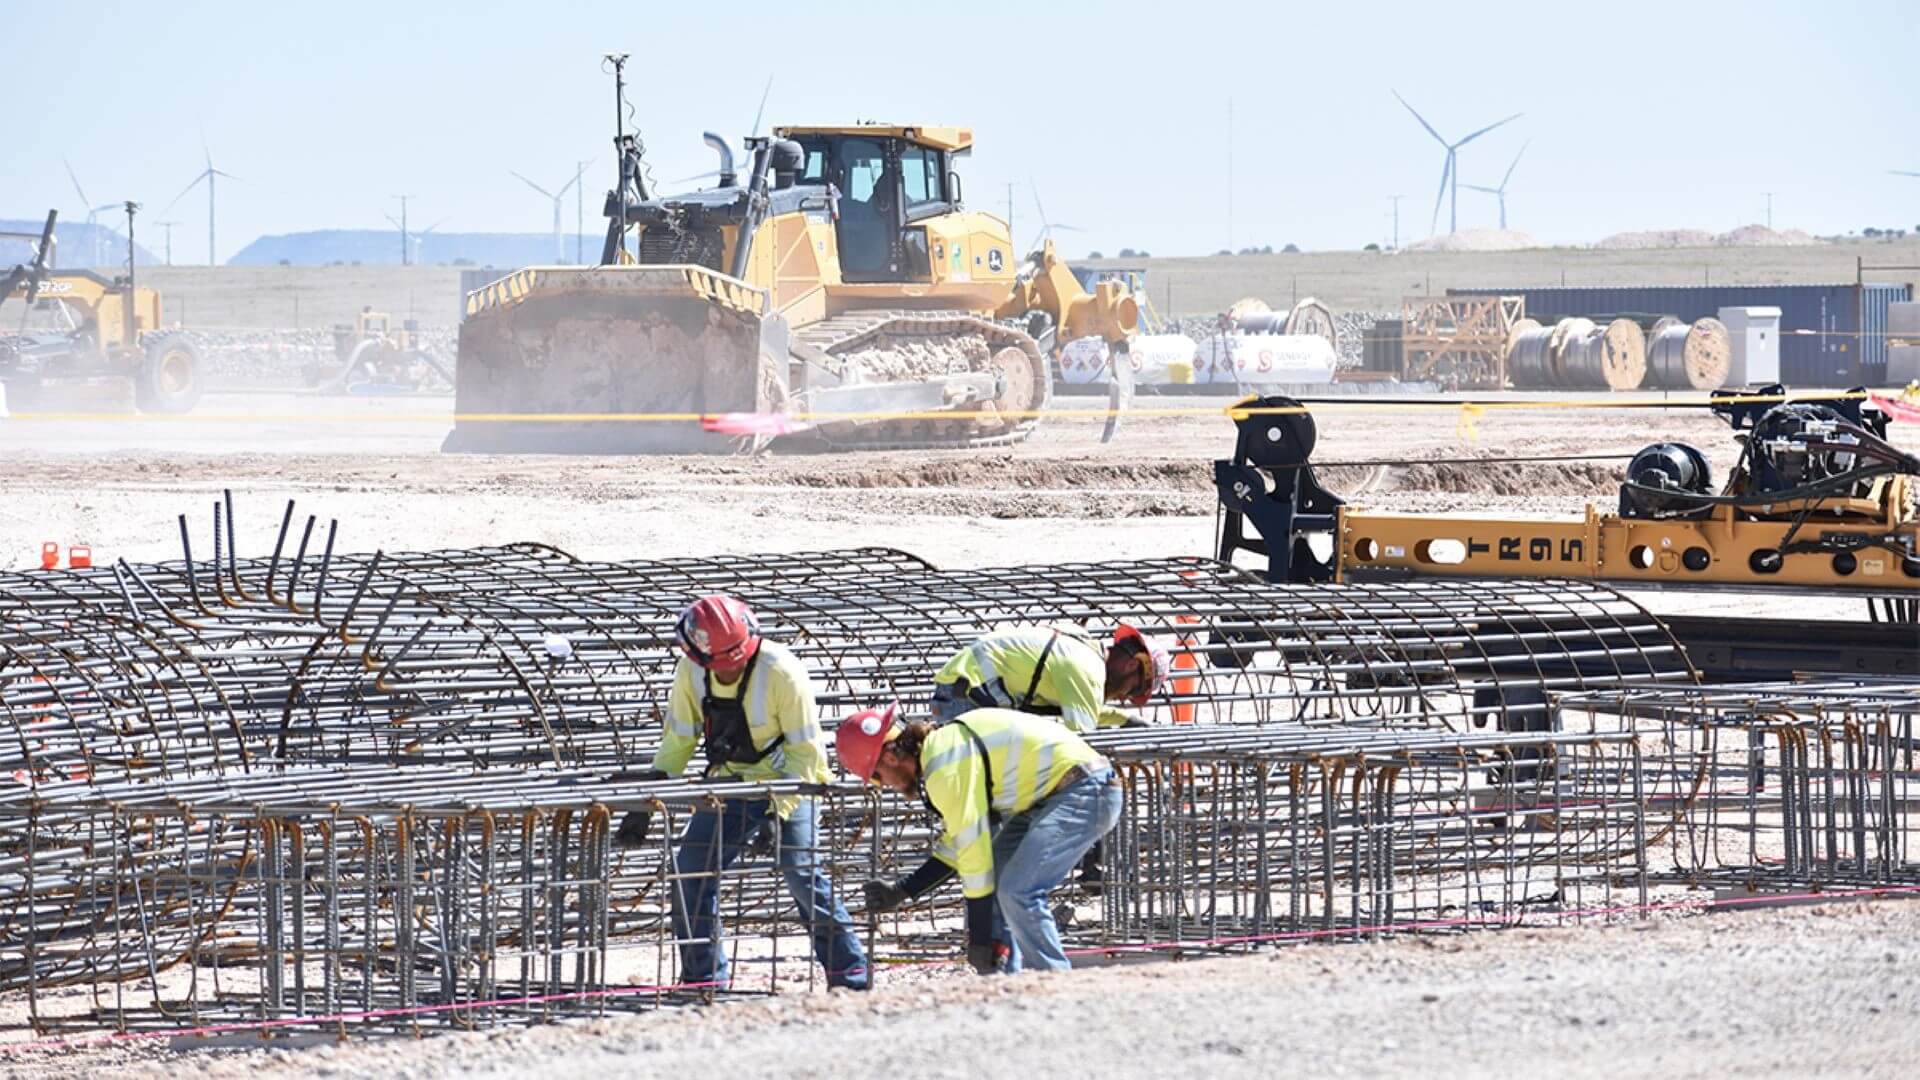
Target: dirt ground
x,y
1801,992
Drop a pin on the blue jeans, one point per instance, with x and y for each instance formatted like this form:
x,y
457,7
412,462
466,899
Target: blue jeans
x,y
712,842
1033,852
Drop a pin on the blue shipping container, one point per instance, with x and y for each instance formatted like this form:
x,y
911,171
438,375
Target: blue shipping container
x,y
1830,335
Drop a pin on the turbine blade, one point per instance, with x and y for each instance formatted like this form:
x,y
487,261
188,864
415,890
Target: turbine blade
x,y
84,201
1422,119
390,217
1440,197
533,185
184,191
223,172
432,227
699,176
762,110
1903,172
1515,165
1477,187
1486,129
1035,190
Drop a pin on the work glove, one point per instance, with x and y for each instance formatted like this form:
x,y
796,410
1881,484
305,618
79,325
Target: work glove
x,y
884,896
633,829
635,824
984,958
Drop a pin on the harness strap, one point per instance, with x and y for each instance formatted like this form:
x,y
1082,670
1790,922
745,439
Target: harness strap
x,y
1039,669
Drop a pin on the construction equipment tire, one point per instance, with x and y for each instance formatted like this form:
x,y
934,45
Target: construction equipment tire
x,y
169,380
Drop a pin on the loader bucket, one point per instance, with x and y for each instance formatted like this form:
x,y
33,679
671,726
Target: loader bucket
x,y
613,360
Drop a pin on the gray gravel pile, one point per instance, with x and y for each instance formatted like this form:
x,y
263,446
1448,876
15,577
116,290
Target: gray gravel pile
x,y
277,357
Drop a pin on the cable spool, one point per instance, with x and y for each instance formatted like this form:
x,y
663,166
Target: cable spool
x,y
1682,356
1623,355
1566,331
1310,316
1528,359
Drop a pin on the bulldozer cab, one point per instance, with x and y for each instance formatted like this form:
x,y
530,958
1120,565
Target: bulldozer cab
x,y
890,180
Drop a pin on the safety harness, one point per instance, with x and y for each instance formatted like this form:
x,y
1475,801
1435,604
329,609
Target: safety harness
x,y
995,695
727,735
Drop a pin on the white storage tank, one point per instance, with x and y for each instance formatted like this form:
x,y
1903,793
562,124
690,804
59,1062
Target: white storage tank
x,y
1755,334
1156,359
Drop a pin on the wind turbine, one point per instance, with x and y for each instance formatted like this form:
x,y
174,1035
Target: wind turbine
x,y
93,213
1451,171
558,197
1047,227
413,241
210,175
1903,172
1501,191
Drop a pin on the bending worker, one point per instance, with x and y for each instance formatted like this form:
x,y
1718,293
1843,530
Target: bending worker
x,y
1020,800
748,704
1052,671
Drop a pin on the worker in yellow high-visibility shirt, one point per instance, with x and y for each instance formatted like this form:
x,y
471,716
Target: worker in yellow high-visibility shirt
x,y
747,704
1052,671
1055,671
1020,800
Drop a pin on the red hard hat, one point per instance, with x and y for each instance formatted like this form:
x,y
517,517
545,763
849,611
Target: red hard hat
x,y
1158,659
860,738
718,631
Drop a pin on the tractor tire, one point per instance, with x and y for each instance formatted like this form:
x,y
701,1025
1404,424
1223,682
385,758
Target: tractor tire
x,y
169,380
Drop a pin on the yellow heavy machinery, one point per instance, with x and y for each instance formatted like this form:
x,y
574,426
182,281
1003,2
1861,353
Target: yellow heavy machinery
x,y
1819,501
85,341
373,356
839,288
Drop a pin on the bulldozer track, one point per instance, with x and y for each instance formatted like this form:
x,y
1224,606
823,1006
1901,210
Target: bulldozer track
x,y
842,334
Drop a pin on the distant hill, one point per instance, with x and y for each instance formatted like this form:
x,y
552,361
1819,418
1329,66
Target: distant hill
x,y
381,247
77,245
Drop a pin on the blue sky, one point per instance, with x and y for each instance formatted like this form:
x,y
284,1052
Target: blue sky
x,y
1641,115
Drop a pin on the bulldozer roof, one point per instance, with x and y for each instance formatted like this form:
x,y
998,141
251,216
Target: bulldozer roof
x,y
939,138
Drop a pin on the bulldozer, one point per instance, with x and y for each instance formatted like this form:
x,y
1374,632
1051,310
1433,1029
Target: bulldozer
x,y
837,291
85,341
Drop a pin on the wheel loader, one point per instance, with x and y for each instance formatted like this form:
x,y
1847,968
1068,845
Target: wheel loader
x,y
81,341
838,291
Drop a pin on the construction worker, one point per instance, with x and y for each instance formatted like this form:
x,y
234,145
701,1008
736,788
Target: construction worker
x,y
1020,799
748,704
1052,671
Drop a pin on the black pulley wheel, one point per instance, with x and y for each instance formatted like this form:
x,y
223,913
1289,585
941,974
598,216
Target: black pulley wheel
x,y
1277,440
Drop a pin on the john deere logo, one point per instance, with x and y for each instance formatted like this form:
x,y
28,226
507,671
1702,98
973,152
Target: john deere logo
x,y
994,261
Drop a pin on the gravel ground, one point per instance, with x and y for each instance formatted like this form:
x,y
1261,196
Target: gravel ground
x,y
1798,992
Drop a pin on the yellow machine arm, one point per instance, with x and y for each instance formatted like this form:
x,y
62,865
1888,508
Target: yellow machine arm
x,y
1109,312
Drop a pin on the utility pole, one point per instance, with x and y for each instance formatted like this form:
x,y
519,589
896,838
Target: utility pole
x,y
1229,176
580,212
127,305
168,225
619,62
1769,196
1010,232
405,258
1396,220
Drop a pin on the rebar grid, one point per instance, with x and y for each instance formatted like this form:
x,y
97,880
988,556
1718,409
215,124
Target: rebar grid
x,y
1797,785
422,898
522,655
1240,839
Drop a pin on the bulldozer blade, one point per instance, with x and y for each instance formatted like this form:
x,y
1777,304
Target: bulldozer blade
x,y
614,360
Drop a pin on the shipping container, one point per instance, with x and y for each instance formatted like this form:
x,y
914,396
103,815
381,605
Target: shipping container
x,y
1830,335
